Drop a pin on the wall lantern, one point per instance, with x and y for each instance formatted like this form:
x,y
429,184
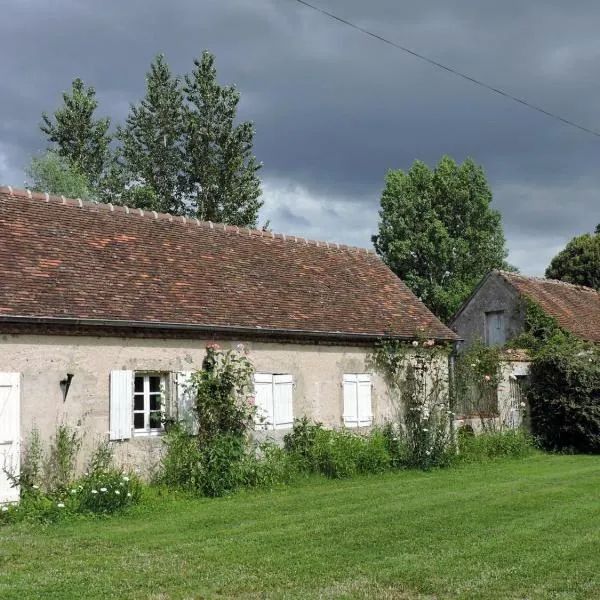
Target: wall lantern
x,y
65,384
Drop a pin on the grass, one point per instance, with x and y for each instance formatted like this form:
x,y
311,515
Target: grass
x,y
508,529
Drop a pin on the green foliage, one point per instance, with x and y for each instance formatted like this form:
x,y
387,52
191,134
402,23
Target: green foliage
x,y
223,388
512,443
59,466
336,453
418,385
477,374
77,135
50,489
539,330
301,440
180,150
151,153
33,461
564,396
180,466
438,233
221,465
53,174
212,462
220,177
579,262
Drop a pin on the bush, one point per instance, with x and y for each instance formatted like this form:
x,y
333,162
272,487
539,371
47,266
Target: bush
x,y
564,396
374,456
336,453
181,460
512,443
222,465
50,490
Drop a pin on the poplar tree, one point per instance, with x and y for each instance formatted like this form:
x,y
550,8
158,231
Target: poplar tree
x,y
77,136
439,233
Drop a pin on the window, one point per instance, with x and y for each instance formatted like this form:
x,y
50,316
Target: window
x,y
137,403
148,403
495,330
274,400
357,400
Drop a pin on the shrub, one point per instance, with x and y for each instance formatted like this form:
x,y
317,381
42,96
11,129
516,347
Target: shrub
x,y
512,443
300,442
270,465
417,378
564,396
103,489
374,456
335,453
181,460
394,444
221,465
212,461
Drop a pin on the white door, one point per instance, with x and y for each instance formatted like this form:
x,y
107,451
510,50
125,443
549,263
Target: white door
x,y
10,408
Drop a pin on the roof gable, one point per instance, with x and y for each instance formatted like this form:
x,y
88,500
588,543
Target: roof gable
x,y
68,259
575,307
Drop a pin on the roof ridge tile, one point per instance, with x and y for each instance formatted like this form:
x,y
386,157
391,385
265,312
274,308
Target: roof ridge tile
x,y
124,209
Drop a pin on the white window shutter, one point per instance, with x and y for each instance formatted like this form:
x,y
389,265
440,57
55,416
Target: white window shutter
x,y
10,411
186,402
365,415
283,407
121,404
350,415
263,392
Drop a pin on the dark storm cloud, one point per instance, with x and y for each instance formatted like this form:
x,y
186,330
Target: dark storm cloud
x,y
335,109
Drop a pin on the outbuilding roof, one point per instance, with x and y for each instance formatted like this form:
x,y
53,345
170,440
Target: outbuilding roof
x,y
575,307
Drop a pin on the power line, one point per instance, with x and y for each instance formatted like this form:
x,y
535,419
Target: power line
x,y
439,65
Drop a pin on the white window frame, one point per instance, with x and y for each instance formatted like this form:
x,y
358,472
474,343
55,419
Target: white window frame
x,y
356,381
273,420
148,430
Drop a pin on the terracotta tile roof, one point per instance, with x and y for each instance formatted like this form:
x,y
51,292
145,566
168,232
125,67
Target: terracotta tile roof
x,y
575,307
62,258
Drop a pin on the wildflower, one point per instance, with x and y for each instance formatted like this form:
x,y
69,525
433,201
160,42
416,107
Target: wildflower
x,y
4,508
487,377
427,452
35,487
473,365
430,343
103,489
73,491
415,343
117,492
125,478
61,505
425,429
129,494
213,346
251,400
522,404
94,491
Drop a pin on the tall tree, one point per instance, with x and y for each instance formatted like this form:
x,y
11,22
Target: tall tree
x,y
220,177
438,232
579,261
151,152
77,136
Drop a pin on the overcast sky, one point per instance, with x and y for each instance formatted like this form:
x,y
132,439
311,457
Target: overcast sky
x,y
335,109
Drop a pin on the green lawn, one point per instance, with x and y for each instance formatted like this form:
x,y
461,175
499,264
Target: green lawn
x,y
512,529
